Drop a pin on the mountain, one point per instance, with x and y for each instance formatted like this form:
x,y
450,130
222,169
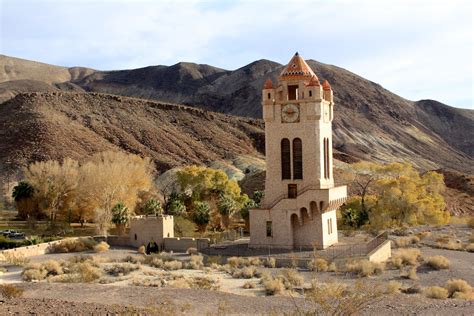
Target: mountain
x,y
371,123
53,125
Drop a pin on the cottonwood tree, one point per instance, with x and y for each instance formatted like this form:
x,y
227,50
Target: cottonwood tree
x,y
112,177
55,185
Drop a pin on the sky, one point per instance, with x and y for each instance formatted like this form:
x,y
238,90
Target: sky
x,y
418,49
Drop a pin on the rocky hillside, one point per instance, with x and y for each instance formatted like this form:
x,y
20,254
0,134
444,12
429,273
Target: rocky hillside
x,y
371,123
40,126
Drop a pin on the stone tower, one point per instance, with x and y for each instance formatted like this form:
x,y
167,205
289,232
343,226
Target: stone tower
x,y
299,207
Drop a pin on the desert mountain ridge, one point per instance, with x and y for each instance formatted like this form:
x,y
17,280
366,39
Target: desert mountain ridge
x,y
371,123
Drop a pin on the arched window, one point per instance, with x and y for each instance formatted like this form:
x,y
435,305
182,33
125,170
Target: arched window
x,y
285,159
297,159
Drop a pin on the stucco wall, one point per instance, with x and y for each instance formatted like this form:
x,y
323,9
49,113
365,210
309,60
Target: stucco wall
x,y
381,253
30,251
143,229
181,244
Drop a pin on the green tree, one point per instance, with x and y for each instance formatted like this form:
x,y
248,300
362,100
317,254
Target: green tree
x,y
23,195
201,215
120,217
152,207
175,206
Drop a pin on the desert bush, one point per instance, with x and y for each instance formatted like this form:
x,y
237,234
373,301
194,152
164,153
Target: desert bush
x,y
470,247
269,262
173,265
436,292
437,262
415,289
249,285
340,299
72,245
409,274
52,267
101,247
204,283
403,242
16,259
470,222
33,273
319,265
365,268
141,249
195,262
332,267
192,251
273,286
450,245
133,259
244,273
393,287
121,269
240,262
10,291
179,283
405,256
291,277
85,272
458,285
423,235
463,296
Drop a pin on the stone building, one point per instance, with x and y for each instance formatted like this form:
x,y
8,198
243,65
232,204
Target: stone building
x,y
299,207
145,228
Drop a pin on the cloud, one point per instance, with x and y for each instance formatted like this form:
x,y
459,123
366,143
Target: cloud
x,y
414,48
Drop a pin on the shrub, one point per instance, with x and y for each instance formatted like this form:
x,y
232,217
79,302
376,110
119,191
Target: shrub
x,y
141,249
121,269
34,272
244,273
463,296
423,235
16,259
269,262
101,247
173,265
436,292
132,259
10,291
458,285
365,268
52,267
292,277
450,244
393,287
204,283
332,267
319,265
470,222
470,247
195,262
406,256
85,272
249,285
72,245
415,289
192,251
437,262
410,274
402,242
273,286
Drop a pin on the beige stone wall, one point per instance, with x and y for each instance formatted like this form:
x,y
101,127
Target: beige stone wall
x,y
30,251
143,229
381,253
181,244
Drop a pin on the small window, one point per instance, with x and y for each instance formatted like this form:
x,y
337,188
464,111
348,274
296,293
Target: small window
x,y
310,93
330,226
269,229
269,96
293,92
292,191
136,237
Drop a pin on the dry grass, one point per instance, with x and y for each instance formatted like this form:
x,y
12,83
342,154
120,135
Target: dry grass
x,y
319,265
470,222
240,262
291,278
173,265
393,287
101,247
269,262
470,247
450,245
245,273
365,268
273,286
121,269
195,262
458,286
409,274
437,262
141,250
192,251
332,267
423,235
405,256
249,285
72,245
403,242
16,259
10,291
436,292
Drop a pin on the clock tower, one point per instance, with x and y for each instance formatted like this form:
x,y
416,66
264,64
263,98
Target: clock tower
x,y
299,207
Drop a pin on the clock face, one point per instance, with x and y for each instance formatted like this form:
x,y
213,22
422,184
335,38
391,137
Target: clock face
x,y
290,113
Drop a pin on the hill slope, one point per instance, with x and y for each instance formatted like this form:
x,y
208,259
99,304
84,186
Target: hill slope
x,y
40,126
